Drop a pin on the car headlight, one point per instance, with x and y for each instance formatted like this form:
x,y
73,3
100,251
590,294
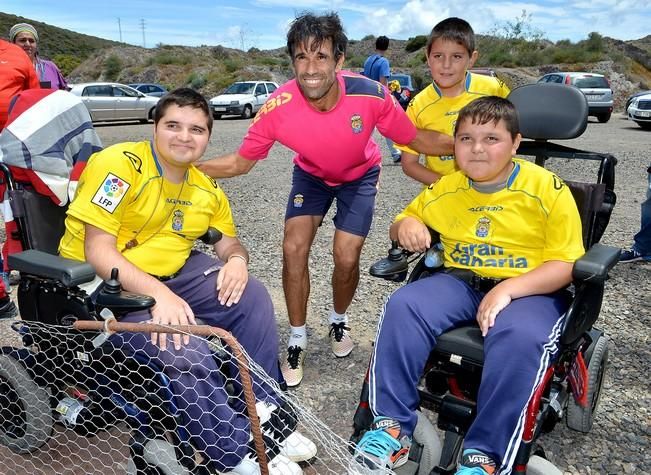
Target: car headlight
x,y
634,102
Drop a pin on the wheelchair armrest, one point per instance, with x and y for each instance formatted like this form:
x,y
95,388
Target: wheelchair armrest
x,y
67,271
595,264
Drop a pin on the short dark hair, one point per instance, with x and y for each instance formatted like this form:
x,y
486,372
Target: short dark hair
x,y
382,43
453,29
183,97
317,29
487,109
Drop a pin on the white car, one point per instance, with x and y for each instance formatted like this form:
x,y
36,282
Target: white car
x,y
108,101
242,98
640,111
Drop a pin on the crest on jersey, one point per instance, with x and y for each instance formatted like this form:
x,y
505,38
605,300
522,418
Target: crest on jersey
x,y
177,220
356,123
298,200
483,227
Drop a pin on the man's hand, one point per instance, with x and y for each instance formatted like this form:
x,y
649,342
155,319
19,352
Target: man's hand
x,y
232,279
170,309
493,303
413,235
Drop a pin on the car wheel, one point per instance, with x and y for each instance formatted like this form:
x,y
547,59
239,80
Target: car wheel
x,y
603,118
644,125
25,412
247,112
217,116
581,418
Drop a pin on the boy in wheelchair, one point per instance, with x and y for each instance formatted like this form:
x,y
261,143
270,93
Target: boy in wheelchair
x,y
139,207
510,232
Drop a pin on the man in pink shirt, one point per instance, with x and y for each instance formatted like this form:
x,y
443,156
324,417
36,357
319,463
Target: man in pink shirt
x,y
327,117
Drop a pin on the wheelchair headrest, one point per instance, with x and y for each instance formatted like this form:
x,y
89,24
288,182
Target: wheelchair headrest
x,y
550,111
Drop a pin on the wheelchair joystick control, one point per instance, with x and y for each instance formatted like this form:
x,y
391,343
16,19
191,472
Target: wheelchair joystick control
x,y
112,285
395,253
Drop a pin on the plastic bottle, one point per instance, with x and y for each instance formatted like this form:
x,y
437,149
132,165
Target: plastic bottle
x,y
434,256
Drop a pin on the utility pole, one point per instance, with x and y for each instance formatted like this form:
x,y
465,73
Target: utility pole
x,y
142,26
120,29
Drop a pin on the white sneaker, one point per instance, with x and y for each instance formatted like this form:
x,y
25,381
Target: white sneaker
x,y
342,343
292,367
279,465
295,446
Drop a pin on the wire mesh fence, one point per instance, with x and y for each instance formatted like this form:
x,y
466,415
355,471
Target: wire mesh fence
x,y
98,398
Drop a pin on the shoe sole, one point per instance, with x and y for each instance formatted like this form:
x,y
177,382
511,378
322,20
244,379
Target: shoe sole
x,y
343,355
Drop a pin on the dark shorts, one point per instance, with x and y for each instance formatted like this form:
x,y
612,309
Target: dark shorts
x,y
311,196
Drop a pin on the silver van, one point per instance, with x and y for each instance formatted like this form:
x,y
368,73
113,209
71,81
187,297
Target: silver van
x,y
595,87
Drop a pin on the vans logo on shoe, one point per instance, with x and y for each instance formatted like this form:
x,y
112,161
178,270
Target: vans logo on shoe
x,y
477,459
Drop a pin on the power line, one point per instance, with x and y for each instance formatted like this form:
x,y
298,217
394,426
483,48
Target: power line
x,y
120,29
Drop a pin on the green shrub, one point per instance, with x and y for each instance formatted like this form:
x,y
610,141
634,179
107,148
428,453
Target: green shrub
x,y
169,57
196,81
232,64
368,37
112,67
415,43
66,63
355,61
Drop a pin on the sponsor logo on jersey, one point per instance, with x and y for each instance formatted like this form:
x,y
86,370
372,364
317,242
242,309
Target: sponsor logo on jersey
x,y
446,158
298,200
135,160
177,220
483,227
356,123
271,104
486,255
482,209
110,193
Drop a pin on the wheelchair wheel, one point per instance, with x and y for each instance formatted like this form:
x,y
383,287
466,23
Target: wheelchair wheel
x,y
160,457
426,434
25,411
540,466
581,418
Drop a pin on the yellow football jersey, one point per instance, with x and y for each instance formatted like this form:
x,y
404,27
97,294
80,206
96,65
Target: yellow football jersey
x,y
156,222
432,111
533,219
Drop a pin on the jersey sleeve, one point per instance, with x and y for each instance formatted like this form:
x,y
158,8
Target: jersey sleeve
x,y
260,136
393,122
411,114
105,188
222,218
563,237
385,70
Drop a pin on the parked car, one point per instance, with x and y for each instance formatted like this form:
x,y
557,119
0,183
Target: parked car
x,y
407,89
639,110
242,98
150,89
483,71
633,96
595,87
107,101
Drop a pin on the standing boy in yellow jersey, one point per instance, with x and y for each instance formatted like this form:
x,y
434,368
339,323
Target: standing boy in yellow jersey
x,y
510,232
450,53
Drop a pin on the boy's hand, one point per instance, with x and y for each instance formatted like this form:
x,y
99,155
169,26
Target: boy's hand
x,y
413,235
232,280
492,304
170,309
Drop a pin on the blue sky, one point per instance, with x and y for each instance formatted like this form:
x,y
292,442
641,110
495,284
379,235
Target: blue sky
x,y
263,23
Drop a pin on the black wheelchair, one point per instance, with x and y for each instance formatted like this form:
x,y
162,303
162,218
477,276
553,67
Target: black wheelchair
x,y
572,385
60,376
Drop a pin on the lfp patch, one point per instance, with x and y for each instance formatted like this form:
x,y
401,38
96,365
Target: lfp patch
x,y
110,193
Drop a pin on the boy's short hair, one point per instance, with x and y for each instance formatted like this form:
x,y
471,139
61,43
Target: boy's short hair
x,y
382,43
308,27
183,97
487,109
453,29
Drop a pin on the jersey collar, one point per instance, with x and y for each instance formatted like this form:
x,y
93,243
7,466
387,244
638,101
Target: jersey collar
x,y
498,186
466,84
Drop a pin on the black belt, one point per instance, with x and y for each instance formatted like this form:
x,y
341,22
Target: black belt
x,y
477,282
165,278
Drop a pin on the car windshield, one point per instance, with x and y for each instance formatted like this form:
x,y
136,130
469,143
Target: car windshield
x,y
240,88
592,82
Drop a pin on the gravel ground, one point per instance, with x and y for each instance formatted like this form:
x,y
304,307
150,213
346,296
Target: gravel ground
x,y
619,441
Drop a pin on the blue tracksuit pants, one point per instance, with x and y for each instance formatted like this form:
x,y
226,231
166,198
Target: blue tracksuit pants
x,y
218,427
517,351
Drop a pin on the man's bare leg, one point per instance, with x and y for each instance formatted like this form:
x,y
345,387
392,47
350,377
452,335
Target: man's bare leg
x,y
347,248
297,241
